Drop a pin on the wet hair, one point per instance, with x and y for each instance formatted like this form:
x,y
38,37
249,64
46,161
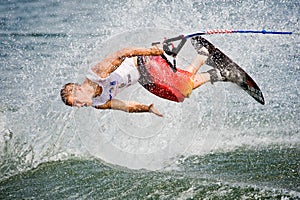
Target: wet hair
x,y
66,92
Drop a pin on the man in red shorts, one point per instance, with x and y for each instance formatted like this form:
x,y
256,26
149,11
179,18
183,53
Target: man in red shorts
x,y
128,66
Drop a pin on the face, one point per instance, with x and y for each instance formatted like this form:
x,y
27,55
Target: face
x,y
80,97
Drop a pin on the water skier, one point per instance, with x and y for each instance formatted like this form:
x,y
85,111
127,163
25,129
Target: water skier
x,y
151,69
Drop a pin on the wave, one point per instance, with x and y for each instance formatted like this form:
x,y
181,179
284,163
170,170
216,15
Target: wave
x,y
245,173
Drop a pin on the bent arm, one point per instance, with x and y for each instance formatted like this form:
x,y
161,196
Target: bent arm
x,y
114,60
128,106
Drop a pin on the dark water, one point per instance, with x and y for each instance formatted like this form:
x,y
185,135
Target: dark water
x,y
242,174
218,144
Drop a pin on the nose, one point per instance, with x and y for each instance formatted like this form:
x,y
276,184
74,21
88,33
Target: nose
x,y
78,105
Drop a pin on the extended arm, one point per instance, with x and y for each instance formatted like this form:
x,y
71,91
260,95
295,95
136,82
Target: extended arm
x,y
129,106
114,60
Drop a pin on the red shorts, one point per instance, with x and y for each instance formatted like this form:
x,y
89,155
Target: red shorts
x,y
157,77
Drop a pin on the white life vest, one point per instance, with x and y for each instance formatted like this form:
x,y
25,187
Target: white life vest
x,y
124,76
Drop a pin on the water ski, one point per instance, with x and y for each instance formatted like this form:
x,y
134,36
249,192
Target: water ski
x,y
228,69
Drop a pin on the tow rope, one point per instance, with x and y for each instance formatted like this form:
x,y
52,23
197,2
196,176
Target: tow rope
x,y
172,50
